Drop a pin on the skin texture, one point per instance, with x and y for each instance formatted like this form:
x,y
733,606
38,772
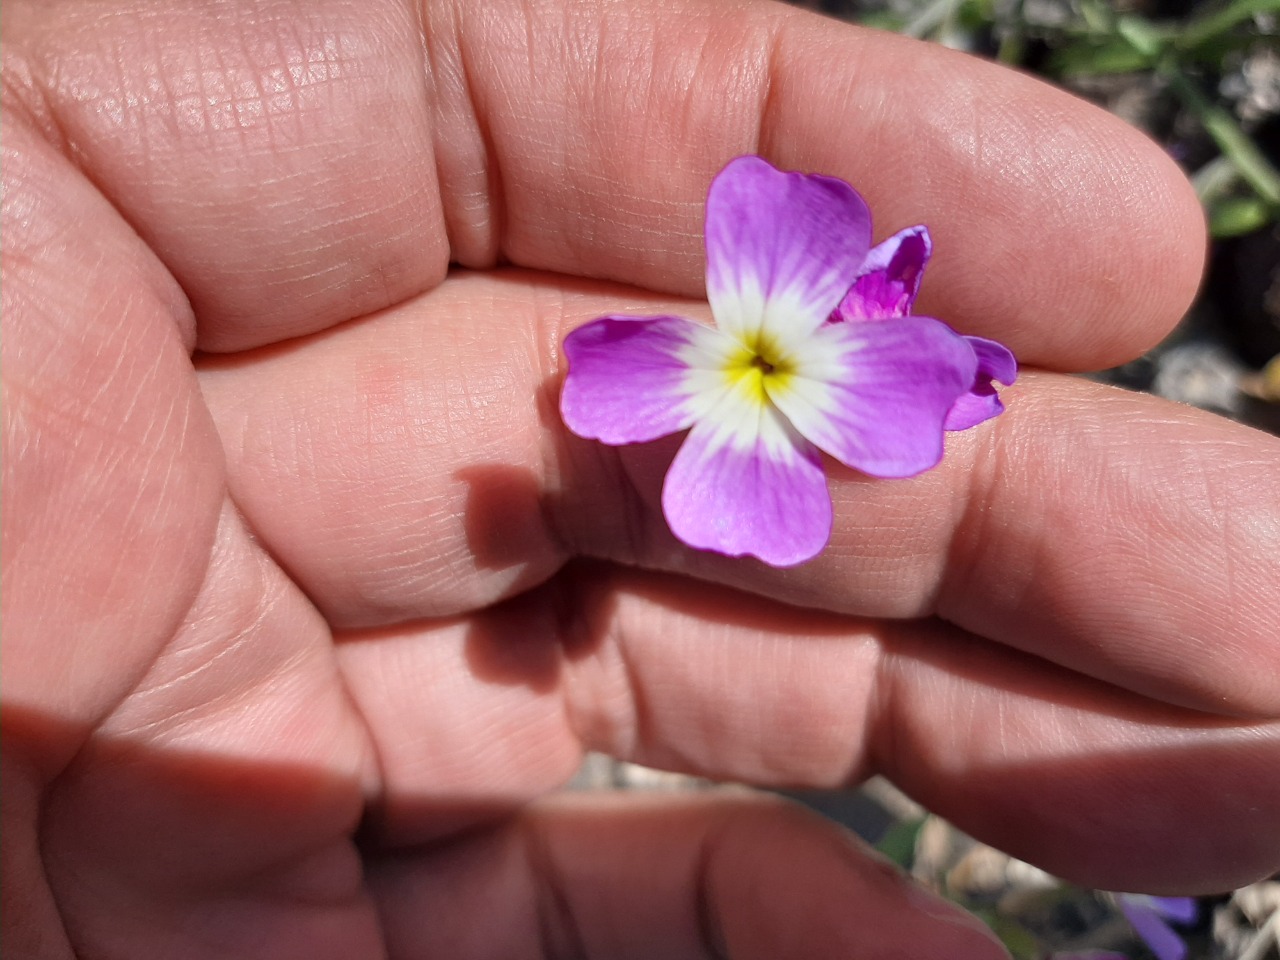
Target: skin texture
x,y
300,636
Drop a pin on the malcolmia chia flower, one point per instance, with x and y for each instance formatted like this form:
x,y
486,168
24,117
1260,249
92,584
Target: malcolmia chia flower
x,y
886,288
813,351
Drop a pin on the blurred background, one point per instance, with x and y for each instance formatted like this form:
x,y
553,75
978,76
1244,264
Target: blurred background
x,y
1202,78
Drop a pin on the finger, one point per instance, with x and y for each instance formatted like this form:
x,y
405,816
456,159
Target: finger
x,y
1081,778
111,466
1089,782
296,167
593,876
226,785
414,465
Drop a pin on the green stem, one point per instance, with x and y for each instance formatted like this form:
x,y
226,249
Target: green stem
x,y
1206,28
1254,168
930,18
1012,48
1215,179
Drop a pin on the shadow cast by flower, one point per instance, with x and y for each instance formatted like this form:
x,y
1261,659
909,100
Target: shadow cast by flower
x,y
814,350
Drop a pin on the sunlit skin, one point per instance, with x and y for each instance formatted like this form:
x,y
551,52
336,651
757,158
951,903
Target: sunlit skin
x,y
301,637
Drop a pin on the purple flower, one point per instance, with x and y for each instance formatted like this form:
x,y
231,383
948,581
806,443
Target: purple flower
x,y
772,383
1148,915
886,289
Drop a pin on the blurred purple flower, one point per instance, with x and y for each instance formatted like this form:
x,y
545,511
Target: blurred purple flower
x,y
1148,915
886,289
773,383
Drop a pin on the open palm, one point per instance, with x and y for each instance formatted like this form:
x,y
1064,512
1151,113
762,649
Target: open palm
x,y
299,636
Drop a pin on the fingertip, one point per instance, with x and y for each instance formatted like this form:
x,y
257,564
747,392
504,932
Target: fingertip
x,y
1114,255
1154,228
838,897
1058,228
762,877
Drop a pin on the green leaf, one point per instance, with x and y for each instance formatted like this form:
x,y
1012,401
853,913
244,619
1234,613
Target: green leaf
x,y
899,842
974,15
1210,27
1097,15
1088,57
882,20
1018,940
1013,47
1233,216
1141,35
1255,169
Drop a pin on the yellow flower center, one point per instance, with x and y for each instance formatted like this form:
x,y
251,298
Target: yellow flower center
x,y
759,369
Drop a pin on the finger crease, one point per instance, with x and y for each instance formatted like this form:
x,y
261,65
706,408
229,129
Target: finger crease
x,y
558,933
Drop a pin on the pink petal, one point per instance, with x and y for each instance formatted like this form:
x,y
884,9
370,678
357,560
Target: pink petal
x,y
781,248
889,278
1157,934
628,377
978,406
766,498
981,403
1177,909
875,395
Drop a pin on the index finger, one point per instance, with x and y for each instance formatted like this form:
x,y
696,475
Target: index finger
x,y
298,167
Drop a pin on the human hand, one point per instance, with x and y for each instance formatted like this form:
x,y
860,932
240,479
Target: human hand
x,y
350,570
